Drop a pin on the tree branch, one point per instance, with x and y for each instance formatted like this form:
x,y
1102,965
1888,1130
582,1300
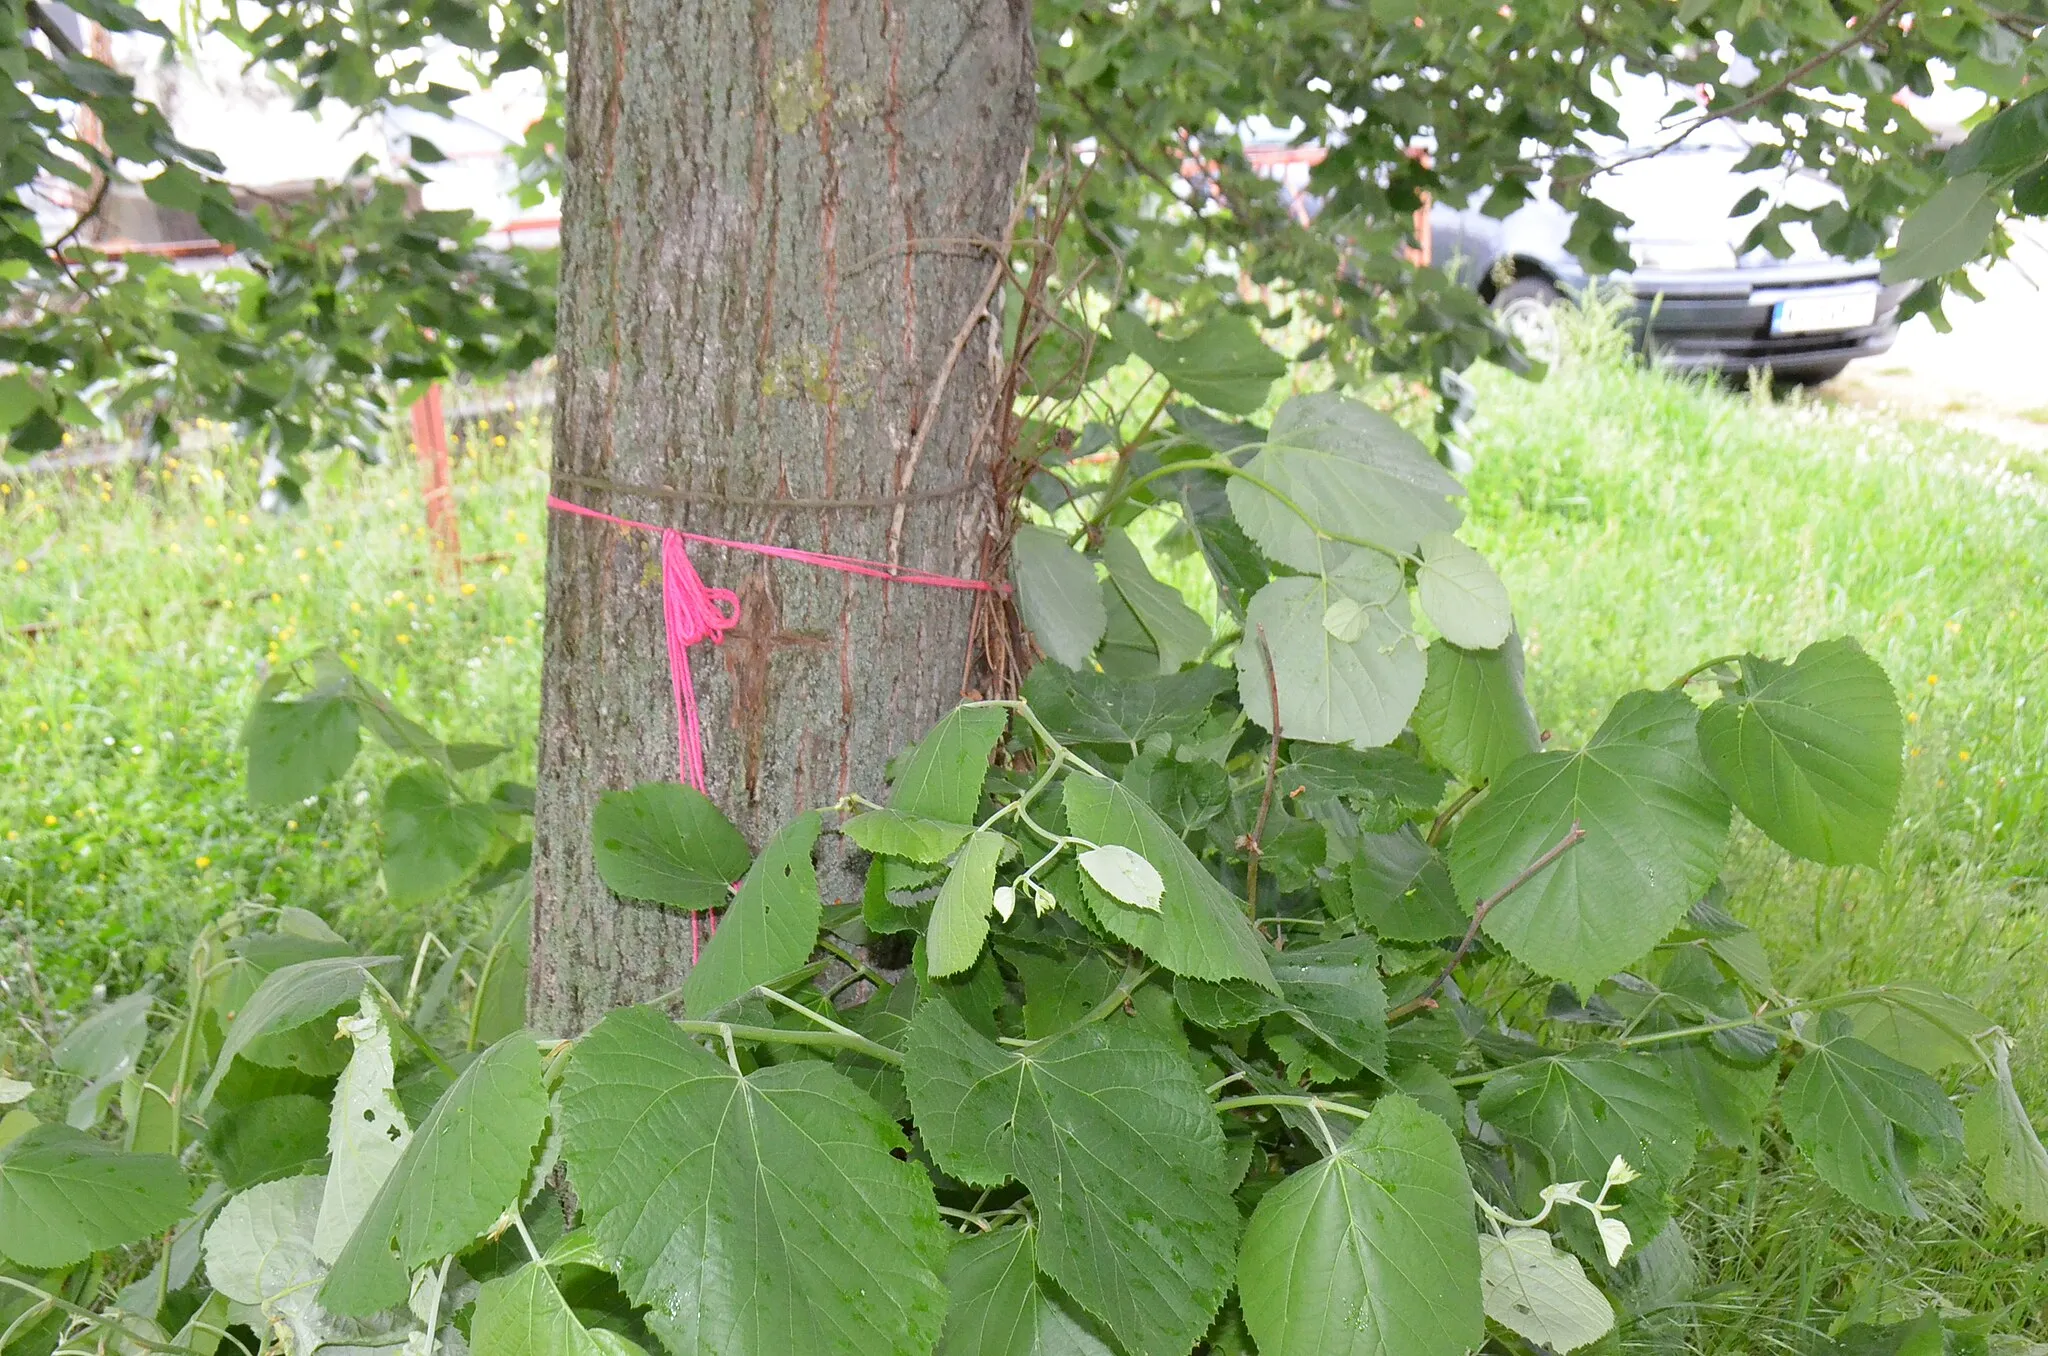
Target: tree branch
x,y
1484,907
1252,845
53,31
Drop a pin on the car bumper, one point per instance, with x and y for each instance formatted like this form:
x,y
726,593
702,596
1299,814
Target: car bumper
x,y
1722,321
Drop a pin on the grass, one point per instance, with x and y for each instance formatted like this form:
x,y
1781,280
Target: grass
x,y
1643,524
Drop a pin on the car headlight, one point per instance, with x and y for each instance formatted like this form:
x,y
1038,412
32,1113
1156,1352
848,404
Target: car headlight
x,y
1681,256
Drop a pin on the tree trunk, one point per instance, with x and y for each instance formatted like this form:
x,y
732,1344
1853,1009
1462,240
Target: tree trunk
x,y
777,253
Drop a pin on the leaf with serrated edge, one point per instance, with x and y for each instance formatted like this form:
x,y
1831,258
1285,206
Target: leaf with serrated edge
x,y
1539,1292
1460,593
941,778
367,1134
287,999
1094,708
1057,595
1811,751
1124,876
434,835
1655,826
1177,630
525,1315
1334,996
1110,1131
259,1252
1999,1134
1585,1109
460,1171
1354,472
1473,717
1847,1105
959,922
1369,1252
771,926
666,842
914,838
1359,692
761,1213
65,1196
1199,930
1002,1306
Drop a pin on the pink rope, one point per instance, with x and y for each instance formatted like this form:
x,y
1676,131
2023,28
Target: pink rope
x,y
691,613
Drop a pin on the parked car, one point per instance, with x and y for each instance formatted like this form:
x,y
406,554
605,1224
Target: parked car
x,y
1696,302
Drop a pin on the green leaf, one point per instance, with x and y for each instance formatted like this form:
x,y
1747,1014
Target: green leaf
x,y
298,747
65,1196
106,1043
434,836
1335,1020
757,1213
1354,473
667,842
959,922
1811,751
1123,875
1109,1130
912,837
1002,1306
1224,364
942,777
1947,231
525,1315
1460,593
1473,717
771,927
464,1167
1057,595
259,1252
18,400
1401,889
1356,684
1093,708
1369,1252
2000,1135
1582,1110
1533,1289
269,1138
1863,1119
1916,1025
289,998
1654,822
1177,630
1200,929
366,1134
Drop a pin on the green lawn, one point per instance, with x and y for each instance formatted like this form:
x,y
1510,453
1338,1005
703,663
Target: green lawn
x,y
1643,524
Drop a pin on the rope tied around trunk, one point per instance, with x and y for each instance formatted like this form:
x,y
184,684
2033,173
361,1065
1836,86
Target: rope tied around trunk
x,y
692,612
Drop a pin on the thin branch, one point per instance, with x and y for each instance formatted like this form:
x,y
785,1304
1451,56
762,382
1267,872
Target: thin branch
x,y
1696,670
1252,845
54,32
1479,912
1442,824
1290,1099
770,1035
92,210
1878,18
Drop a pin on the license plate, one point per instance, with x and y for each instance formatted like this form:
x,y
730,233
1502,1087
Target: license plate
x,y
1815,312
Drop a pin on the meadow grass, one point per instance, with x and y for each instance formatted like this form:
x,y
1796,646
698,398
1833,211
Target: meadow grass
x,y
1643,523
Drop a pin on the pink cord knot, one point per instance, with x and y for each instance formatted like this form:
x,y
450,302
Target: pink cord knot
x,y
690,612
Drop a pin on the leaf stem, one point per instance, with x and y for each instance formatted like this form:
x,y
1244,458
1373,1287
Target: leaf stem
x,y
1252,847
1304,1102
49,1301
774,1035
1479,912
1696,670
1441,825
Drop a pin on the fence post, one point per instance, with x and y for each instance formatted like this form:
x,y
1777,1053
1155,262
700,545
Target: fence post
x,y
430,442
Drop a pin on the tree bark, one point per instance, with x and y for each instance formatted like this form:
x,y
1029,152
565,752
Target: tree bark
x,y
779,219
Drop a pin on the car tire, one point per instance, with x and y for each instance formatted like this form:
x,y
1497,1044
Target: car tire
x,y
1527,308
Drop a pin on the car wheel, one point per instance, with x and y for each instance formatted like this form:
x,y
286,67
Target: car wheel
x,y
1527,308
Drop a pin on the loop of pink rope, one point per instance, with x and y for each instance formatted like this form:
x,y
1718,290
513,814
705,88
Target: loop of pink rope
x,y
691,612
